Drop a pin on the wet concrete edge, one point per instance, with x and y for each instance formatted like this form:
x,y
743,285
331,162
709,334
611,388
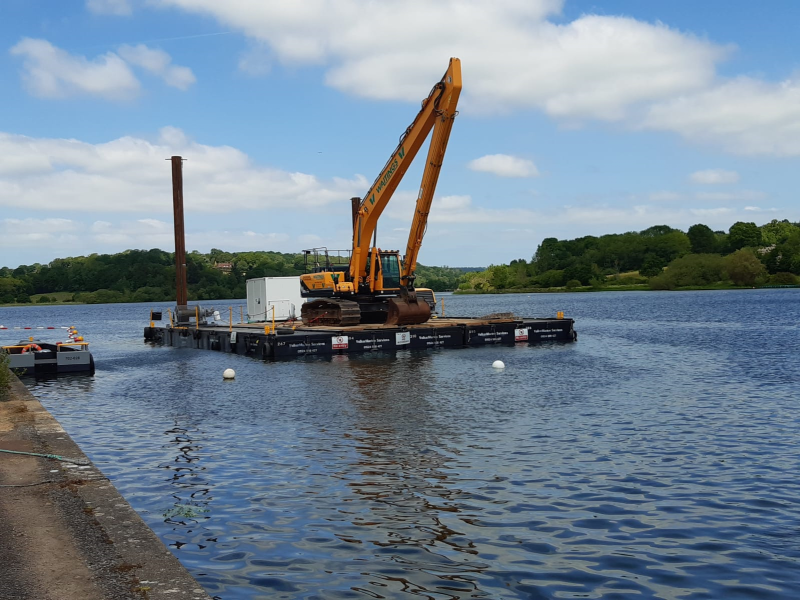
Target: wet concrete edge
x,y
115,542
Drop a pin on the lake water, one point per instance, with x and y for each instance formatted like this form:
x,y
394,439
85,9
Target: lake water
x,y
657,457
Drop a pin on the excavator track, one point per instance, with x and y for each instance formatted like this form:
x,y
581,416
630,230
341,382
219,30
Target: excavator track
x,y
330,312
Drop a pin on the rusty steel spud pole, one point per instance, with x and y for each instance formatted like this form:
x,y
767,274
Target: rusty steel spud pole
x,y
181,288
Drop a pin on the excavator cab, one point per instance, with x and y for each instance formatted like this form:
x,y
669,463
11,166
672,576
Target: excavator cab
x,y
390,268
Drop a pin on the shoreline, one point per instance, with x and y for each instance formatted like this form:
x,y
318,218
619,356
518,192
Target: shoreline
x,y
580,290
621,288
67,531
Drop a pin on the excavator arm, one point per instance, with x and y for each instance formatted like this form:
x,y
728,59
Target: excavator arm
x,y
437,113
378,287
443,123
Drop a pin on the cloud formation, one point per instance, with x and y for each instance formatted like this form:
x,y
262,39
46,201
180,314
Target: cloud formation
x,y
742,116
504,165
714,177
592,67
516,56
158,62
70,237
50,72
129,175
120,8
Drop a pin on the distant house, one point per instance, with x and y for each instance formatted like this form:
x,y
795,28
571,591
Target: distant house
x,y
225,267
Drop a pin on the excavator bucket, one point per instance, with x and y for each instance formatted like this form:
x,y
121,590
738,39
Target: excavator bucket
x,y
404,312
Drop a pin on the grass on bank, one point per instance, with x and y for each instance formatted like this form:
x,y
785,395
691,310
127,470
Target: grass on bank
x,y
5,375
53,298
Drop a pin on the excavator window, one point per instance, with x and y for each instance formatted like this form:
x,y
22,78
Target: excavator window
x,y
390,265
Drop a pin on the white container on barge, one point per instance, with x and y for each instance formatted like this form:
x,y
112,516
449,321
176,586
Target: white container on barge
x,y
264,293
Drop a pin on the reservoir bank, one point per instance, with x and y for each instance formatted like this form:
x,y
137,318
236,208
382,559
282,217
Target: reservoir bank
x,y
66,531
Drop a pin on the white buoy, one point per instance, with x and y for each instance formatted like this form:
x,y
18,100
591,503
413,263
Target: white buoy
x,y
229,374
499,364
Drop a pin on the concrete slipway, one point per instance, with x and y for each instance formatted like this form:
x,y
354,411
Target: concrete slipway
x,y
65,531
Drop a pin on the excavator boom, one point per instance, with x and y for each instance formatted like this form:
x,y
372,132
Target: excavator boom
x,y
438,109
377,286
443,123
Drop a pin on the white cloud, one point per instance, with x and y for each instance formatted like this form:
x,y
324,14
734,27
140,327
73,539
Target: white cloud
x,y
714,176
665,196
517,56
712,212
50,72
121,8
737,196
565,221
154,233
16,233
74,237
158,62
310,240
742,116
256,61
592,67
129,174
504,165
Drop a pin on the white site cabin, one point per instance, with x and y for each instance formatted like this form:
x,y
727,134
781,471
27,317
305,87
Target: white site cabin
x,y
265,292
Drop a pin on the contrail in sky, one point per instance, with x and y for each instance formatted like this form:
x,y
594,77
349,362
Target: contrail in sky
x,y
184,37
170,39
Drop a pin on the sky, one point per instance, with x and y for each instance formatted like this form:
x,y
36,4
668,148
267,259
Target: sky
x,y
576,118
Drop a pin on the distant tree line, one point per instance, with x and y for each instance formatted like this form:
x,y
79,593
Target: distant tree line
x,y
149,276
660,257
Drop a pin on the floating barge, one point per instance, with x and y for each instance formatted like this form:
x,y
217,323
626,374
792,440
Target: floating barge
x,y
287,342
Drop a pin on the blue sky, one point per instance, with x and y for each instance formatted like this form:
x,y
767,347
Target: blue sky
x,y
576,118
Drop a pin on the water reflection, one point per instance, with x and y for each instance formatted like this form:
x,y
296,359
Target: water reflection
x,y
190,488
408,502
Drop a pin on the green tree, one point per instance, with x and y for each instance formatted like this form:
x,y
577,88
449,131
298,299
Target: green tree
x,y
657,231
776,232
692,270
702,239
550,255
552,278
670,245
743,267
742,235
580,272
784,278
498,277
652,265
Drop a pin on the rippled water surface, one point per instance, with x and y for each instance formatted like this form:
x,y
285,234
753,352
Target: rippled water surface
x,y
657,457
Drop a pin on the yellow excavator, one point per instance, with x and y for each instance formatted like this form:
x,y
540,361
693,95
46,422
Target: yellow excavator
x,y
367,284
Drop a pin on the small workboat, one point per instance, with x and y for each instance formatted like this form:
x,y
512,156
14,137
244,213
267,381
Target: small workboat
x,y
35,357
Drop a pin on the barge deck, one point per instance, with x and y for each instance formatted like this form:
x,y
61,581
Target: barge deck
x,y
285,341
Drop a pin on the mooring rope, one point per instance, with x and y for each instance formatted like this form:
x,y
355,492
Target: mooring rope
x,y
75,461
